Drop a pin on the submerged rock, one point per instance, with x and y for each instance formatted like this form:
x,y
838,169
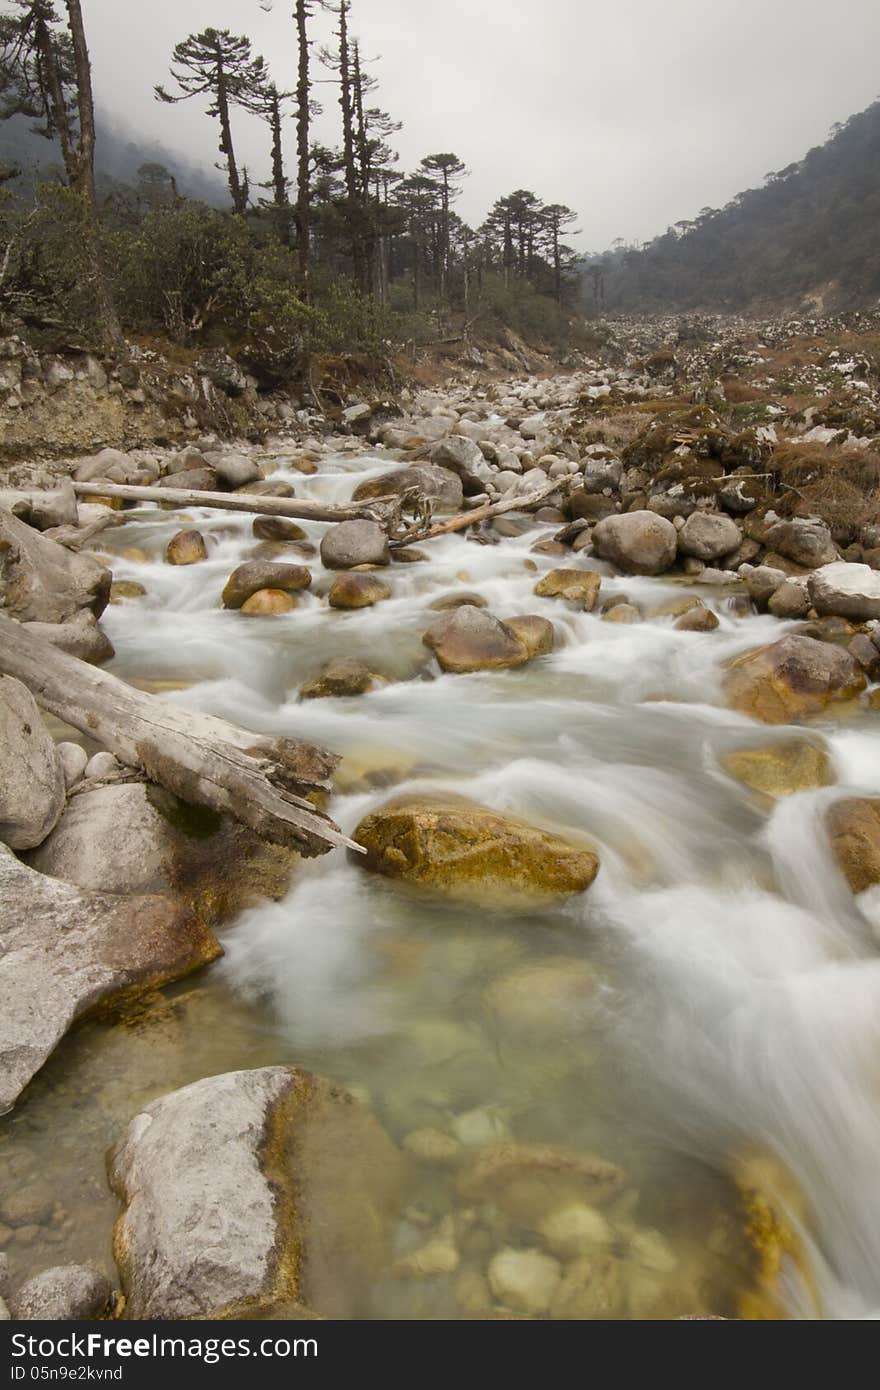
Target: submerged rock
x,y
781,769
529,1181
250,1192
277,528
471,853
524,1280
342,675
637,542
581,586
854,831
66,951
31,775
65,1293
470,639
791,680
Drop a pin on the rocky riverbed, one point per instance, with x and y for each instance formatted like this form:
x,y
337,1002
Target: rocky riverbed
x,y
589,1029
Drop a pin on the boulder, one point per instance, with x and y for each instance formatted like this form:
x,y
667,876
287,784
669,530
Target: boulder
x,y
66,952
222,371
41,581
350,543
536,633
698,619
441,485
186,548
804,542
44,509
254,575
709,535
465,458
129,837
250,1192
277,528
792,679
235,470
471,853
111,464
637,542
340,676
463,598
853,827
470,639
353,590
269,603
849,591
524,1280
781,769
63,1294
73,758
762,583
31,775
81,636
790,600
579,586
528,1181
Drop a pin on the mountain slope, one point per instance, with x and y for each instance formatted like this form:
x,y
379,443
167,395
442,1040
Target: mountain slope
x,y
814,226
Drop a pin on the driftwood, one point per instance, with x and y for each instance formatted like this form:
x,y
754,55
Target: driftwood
x,y
461,521
256,779
385,510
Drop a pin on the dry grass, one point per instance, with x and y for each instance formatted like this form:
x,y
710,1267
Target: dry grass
x,y
737,392
841,485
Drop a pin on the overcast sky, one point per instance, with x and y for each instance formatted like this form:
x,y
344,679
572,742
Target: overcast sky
x,y
634,112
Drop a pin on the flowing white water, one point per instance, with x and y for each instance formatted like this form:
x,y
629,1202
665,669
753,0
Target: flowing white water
x,y
741,1003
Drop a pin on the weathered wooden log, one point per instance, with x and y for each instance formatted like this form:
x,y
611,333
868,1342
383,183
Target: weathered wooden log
x,y
199,758
462,520
381,509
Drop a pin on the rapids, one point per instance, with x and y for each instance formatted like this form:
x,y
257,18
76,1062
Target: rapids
x,y
737,1005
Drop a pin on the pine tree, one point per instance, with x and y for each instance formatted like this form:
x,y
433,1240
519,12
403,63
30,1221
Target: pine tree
x,y
220,65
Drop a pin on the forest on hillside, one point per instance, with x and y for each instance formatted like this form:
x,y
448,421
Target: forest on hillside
x,y
812,223
344,251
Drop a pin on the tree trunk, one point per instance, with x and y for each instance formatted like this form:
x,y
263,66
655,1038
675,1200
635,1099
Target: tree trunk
x,y
236,190
352,190
259,781
379,510
303,175
463,520
84,182
279,182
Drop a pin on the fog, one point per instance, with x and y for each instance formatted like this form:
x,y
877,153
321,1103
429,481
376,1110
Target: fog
x,y
636,114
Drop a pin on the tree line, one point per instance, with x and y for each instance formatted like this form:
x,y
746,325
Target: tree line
x,y
345,234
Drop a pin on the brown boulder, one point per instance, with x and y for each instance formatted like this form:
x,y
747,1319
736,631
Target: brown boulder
x,y
470,639
254,575
575,585
853,827
791,680
186,548
536,633
353,590
471,853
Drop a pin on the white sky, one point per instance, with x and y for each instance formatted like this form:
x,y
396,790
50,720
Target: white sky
x,y
634,112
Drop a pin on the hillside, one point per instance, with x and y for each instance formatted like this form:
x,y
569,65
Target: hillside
x,y
811,230
119,154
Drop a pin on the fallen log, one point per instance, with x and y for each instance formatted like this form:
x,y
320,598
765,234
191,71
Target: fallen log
x,y
199,758
462,520
385,510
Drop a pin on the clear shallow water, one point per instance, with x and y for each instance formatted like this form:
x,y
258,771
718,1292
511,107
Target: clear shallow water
x,y
715,994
